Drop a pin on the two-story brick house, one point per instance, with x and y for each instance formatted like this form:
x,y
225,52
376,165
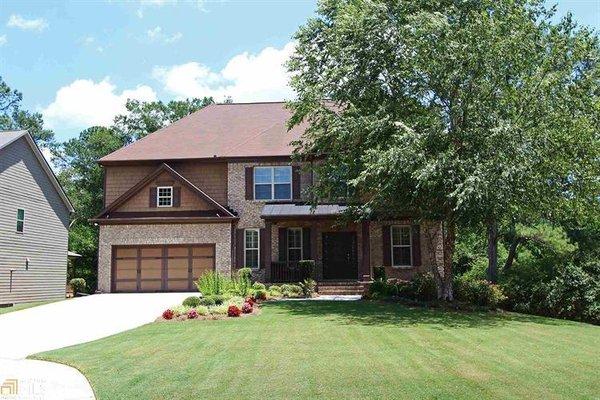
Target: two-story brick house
x,y
218,190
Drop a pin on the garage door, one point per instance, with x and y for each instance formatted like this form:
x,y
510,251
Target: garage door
x,y
160,268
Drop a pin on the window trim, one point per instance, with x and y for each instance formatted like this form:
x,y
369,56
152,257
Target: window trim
x,y
409,245
22,221
301,248
257,230
158,196
272,183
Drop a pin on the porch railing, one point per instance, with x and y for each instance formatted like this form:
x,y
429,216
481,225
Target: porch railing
x,y
285,272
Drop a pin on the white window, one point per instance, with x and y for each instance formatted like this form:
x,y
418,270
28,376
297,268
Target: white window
x,y
251,248
294,241
273,183
401,246
164,196
20,220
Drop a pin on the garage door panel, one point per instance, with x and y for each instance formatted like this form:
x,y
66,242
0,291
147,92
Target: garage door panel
x,y
126,269
177,268
200,266
178,251
123,252
203,251
126,286
179,284
151,285
152,252
151,269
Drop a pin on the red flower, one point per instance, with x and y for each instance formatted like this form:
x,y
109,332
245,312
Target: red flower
x,y
234,311
247,308
251,300
168,314
192,314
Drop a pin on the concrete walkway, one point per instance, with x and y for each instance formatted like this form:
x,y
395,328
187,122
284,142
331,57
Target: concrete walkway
x,y
66,323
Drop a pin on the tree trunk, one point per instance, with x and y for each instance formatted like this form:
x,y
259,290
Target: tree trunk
x,y
492,251
445,291
512,253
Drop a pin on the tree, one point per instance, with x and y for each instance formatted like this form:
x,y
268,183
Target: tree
x,y
143,118
13,117
460,112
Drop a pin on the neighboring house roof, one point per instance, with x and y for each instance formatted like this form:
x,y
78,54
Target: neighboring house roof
x,y
236,130
280,211
8,137
224,212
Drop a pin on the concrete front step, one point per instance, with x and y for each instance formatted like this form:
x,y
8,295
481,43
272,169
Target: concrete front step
x,y
341,288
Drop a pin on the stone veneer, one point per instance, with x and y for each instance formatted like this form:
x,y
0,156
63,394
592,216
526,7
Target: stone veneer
x,y
217,233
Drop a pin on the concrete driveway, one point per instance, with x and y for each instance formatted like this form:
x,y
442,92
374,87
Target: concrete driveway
x,y
66,323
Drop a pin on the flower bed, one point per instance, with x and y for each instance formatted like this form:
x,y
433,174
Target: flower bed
x,y
231,308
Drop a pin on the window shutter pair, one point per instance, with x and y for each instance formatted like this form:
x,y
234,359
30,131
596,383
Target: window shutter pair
x,y
240,238
239,247
176,197
387,245
249,178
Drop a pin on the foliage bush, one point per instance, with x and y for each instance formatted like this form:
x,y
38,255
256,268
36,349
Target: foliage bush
x,y
258,286
260,294
192,301
78,285
233,311
379,274
202,310
478,292
192,314
236,301
307,268
219,310
424,286
247,308
289,290
180,310
242,282
212,283
168,314
207,301
309,287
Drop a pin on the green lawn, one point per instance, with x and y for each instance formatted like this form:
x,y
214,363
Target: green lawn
x,y
22,306
345,350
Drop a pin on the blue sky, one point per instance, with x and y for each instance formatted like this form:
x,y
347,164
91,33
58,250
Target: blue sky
x,y
76,62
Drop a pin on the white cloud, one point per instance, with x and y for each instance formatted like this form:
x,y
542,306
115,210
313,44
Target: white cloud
x,y
85,103
245,77
157,34
88,40
3,40
16,21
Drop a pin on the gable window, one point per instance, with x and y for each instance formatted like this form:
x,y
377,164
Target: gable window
x,y
294,240
164,196
273,183
20,220
251,248
401,246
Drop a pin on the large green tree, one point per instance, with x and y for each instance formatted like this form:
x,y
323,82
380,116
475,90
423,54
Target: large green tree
x,y
463,112
13,117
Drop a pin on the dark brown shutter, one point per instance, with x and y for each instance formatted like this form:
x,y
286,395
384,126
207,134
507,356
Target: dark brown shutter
x,y
152,198
249,183
177,196
264,243
239,248
387,246
283,244
306,243
416,245
296,182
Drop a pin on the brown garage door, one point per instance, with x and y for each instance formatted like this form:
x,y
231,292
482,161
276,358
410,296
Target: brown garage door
x,y
160,268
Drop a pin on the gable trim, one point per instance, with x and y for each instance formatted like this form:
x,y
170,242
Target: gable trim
x,y
149,178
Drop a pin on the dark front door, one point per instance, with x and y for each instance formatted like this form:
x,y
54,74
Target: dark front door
x,y
339,255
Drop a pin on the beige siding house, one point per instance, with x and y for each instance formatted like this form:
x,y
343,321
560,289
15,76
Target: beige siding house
x,y
218,190
34,221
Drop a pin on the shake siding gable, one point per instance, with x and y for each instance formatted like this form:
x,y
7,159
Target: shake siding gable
x,y
44,240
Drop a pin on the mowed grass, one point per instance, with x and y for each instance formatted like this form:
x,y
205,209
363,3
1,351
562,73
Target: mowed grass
x,y
22,306
346,350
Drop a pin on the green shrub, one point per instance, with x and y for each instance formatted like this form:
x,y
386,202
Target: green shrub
x,y
219,310
289,290
78,285
236,301
220,298
242,282
192,301
575,294
275,288
212,282
307,268
207,301
275,293
258,285
424,286
180,310
309,287
379,274
260,294
202,310
477,292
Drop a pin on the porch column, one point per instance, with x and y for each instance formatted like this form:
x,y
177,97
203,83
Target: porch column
x,y
365,265
267,249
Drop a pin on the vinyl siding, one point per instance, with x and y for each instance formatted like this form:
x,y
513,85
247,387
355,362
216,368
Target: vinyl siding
x,y
24,184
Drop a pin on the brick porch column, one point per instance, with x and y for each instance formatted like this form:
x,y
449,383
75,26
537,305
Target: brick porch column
x,y
365,264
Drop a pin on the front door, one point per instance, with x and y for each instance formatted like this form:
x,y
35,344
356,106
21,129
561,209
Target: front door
x,y
339,255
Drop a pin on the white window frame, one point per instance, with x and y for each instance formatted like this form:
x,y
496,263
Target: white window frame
x,y
20,220
257,230
301,248
158,196
273,183
409,245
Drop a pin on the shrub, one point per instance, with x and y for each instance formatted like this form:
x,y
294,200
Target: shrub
x,y
424,286
233,311
251,300
260,295
247,308
207,301
202,310
192,301
78,285
242,282
275,294
381,288
288,290
216,299
308,287
574,294
236,301
275,288
258,286
307,268
192,314
180,310
219,310
477,292
379,274
211,283
168,314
